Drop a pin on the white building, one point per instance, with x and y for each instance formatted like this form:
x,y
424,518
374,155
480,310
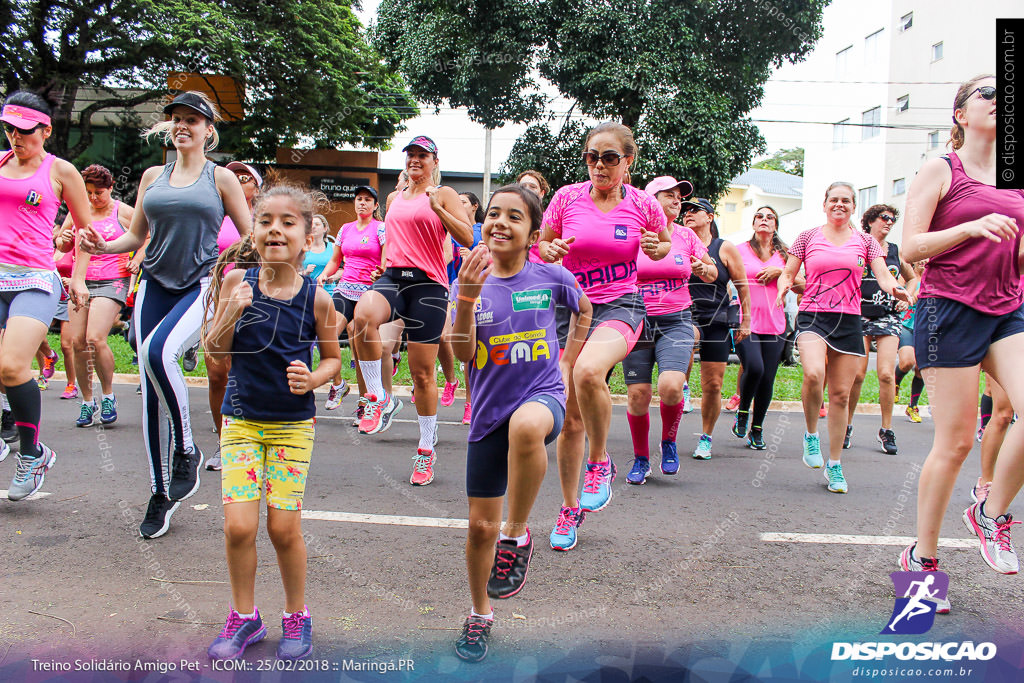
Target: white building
x,y
884,74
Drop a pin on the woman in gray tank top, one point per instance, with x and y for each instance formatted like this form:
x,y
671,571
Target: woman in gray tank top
x,y
181,205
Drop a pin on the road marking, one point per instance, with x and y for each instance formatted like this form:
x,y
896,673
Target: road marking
x,y
395,520
402,420
856,539
35,496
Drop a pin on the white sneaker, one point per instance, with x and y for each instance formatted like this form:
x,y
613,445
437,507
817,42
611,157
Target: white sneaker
x,y
336,393
994,537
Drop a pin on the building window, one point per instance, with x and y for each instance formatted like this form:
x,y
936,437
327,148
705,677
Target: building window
x,y
867,197
839,134
730,207
870,120
906,21
899,186
748,203
933,139
937,51
902,104
872,44
843,60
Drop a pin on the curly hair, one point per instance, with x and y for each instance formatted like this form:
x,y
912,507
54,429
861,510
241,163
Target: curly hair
x,y
98,176
873,212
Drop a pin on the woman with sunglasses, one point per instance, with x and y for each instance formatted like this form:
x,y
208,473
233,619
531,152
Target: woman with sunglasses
x,y
968,316
881,320
182,206
712,314
597,228
33,184
764,257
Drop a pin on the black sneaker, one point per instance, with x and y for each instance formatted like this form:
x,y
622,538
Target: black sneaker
x,y
9,432
849,433
755,439
185,468
739,426
158,516
472,644
887,438
190,359
511,564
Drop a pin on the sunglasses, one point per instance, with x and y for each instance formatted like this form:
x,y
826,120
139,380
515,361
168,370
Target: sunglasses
x,y
887,218
243,178
608,158
987,92
692,209
12,129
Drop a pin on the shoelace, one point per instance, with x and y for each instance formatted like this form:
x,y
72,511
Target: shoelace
x,y
23,469
108,405
593,477
87,411
565,516
421,463
503,562
813,446
293,626
232,625
835,474
929,564
183,465
474,631
1002,534
376,410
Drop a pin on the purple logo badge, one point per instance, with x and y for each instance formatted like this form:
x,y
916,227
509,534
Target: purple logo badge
x,y
916,592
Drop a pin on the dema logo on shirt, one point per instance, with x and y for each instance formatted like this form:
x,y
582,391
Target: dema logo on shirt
x,y
514,348
621,232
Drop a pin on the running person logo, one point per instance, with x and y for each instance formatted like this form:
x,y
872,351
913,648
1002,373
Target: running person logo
x,y
914,612
33,198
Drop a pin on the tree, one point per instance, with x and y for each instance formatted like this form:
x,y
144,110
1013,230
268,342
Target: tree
x,y
556,156
785,160
306,70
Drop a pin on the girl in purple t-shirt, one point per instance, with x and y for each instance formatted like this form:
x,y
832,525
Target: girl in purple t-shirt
x,y
828,326
969,316
505,332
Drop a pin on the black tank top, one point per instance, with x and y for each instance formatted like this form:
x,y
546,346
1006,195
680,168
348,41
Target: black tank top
x,y
710,297
875,303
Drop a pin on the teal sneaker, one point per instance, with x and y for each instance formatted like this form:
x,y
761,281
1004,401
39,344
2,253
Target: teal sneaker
x,y
812,451
703,451
835,478
563,536
597,485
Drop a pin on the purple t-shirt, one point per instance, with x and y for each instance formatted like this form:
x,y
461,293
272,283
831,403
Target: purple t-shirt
x,y
517,342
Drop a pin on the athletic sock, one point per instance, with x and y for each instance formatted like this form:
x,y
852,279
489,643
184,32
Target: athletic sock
x,y
900,374
833,463
639,428
670,416
7,406
249,616
489,617
110,396
917,386
807,434
428,425
27,409
986,410
371,375
302,612
520,540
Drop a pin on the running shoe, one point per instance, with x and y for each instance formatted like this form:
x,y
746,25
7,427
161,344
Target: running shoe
x,y
70,391
138,390
388,416
812,451
30,472
237,634
887,438
185,466
423,467
371,422
755,440
50,364
472,644
669,458
336,393
913,414
733,403
297,636
640,470
739,425
5,450
981,434
448,395
87,417
563,536
703,450
214,463
846,438
467,414
822,411
687,404
511,565
397,360
980,491
994,537
190,359
108,410
8,430
909,563
597,485
836,480
158,516
360,410
42,383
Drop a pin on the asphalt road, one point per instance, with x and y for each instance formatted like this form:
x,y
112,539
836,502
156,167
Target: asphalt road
x,y
675,572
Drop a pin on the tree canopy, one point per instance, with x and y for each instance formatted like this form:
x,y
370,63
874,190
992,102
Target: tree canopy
x,y
306,69
785,160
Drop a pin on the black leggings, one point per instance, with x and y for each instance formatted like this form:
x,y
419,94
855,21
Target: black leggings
x,y
760,355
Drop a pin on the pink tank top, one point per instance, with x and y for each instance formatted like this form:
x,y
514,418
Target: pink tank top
x,y
765,316
28,209
977,272
664,284
361,251
66,263
227,236
108,266
416,237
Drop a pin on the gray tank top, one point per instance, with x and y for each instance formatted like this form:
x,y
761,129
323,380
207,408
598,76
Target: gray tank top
x,y
184,223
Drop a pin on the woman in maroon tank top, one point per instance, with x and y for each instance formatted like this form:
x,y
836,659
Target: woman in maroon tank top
x,y
968,316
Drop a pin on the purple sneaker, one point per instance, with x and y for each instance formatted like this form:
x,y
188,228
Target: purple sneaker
x,y
297,641
237,634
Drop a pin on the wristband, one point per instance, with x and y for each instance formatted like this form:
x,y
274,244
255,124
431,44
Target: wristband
x,y
465,298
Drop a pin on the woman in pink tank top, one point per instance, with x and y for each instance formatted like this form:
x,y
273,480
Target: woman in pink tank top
x,y
968,316
414,287
102,282
32,186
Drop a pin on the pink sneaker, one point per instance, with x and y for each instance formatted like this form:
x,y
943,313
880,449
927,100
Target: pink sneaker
x,y
50,365
733,403
448,395
71,391
396,359
423,467
467,413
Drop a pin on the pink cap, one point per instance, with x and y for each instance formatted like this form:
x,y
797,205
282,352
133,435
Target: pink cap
x,y
667,182
23,117
239,166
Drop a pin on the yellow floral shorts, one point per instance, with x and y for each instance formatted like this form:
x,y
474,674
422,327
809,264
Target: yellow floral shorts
x,y
255,453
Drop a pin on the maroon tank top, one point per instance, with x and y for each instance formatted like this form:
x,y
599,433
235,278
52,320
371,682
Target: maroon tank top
x,y
977,272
